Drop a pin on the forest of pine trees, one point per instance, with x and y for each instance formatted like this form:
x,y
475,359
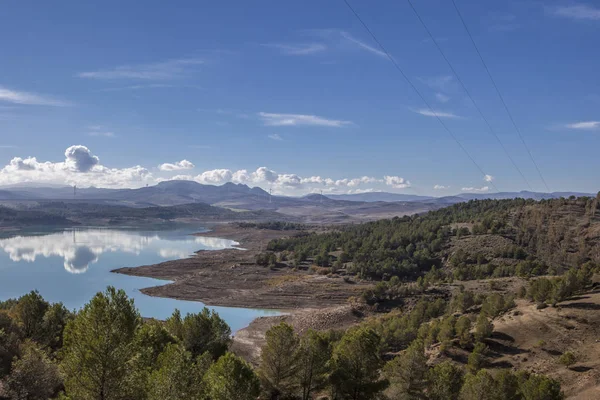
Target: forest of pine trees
x,y
107,351
548,236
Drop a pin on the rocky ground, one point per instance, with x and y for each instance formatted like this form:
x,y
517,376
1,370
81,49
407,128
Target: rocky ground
x,y
231,278
248,341
532,339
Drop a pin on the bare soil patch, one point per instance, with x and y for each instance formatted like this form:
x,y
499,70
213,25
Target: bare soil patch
x,y
231,277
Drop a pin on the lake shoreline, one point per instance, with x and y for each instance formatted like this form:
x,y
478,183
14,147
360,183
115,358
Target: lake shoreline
x,y
231,278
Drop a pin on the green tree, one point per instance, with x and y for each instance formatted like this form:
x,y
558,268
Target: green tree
x,y
407,373
53,325
567,359
539,387
151,339
174,324
177,376
314,353
463,331
201,332
34,376
540,290
481,386
98,347
445,381
477,357
279,361
508,385
355,366
483,327
447,331
29,312
232,378
10,337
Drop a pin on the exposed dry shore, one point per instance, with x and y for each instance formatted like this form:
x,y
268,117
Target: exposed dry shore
x,y
231,278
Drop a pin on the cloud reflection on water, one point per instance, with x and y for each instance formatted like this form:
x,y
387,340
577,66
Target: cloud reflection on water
x,y
81,248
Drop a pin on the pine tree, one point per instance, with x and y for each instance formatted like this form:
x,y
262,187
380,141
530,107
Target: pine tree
x,y
483,327
355,366
98,347
177,376
29,312
445,381
481,386
477,357
201,332
314,353
407,373
232,378
279,360
463,331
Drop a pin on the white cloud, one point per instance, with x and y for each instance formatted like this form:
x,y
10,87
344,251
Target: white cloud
x,y
289,180
488,178
440,187
476,190
80,159
84,169
435,113
27,98
275,136
441,97
396,182
80,168
584,125
357,181
293,184
317,180
578,11
215,176
362,45
299,49
263,174
358,191
164,70
241,176
178,166
273,119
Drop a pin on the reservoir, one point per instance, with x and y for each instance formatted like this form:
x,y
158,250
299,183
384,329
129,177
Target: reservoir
x,y
70,266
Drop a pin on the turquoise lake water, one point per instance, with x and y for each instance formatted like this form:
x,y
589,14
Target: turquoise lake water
x,y
70,266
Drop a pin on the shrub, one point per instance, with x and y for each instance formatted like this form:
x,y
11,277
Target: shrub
x,y
567,359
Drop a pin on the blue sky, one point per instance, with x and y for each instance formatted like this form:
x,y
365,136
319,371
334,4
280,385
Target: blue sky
x,y
296,95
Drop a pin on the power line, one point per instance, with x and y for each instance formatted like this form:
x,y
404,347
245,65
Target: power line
x,y
468,93
500,95
417,91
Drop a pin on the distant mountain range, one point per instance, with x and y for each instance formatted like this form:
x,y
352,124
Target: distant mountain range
x,y
184,192
166,193
393,197
379,196
240,197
